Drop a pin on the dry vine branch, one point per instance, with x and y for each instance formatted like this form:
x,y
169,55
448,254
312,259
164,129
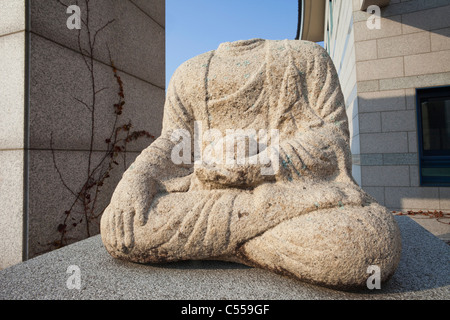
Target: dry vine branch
x,y
86,197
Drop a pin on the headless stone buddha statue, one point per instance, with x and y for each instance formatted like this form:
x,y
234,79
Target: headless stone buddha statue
x,y
308,219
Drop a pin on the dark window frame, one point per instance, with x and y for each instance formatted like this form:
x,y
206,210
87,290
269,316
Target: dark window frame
x,y
431,159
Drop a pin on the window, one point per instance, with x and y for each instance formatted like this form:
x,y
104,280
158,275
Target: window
x,y
433,114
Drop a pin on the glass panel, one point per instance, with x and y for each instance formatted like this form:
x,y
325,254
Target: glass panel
x,y
436,172
436,125
434,138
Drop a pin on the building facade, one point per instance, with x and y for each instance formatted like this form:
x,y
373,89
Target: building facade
x,y
393,61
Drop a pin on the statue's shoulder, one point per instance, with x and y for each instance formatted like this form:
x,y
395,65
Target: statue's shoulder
x,y
308,48
299,47
192,70
196,64
189,77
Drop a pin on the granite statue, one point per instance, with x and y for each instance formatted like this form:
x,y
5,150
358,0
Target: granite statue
x,y
290,205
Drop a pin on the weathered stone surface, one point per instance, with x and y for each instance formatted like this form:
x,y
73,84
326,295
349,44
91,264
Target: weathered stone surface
x,y
308,219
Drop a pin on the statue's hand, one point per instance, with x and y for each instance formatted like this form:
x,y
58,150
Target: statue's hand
x,y
232,161
129,204
232,175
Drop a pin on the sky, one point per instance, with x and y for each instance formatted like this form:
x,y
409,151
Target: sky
x,y
197,26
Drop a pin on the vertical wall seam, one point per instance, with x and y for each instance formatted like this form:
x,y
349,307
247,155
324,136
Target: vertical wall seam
x,y
25,220
149,15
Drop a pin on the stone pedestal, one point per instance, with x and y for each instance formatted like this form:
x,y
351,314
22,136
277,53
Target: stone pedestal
x,y
422,274
51,77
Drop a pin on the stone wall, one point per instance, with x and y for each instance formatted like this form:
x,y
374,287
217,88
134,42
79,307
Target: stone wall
x,y
54,137
12,83
379,70
411,50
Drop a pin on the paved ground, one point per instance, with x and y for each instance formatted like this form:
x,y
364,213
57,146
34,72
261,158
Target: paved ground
x,y
423,273
439,227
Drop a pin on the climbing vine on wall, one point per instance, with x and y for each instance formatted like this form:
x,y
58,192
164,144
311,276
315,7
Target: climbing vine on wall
x,y
85,210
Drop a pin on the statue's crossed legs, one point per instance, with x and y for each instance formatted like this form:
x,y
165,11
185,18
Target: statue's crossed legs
x,y
331,244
